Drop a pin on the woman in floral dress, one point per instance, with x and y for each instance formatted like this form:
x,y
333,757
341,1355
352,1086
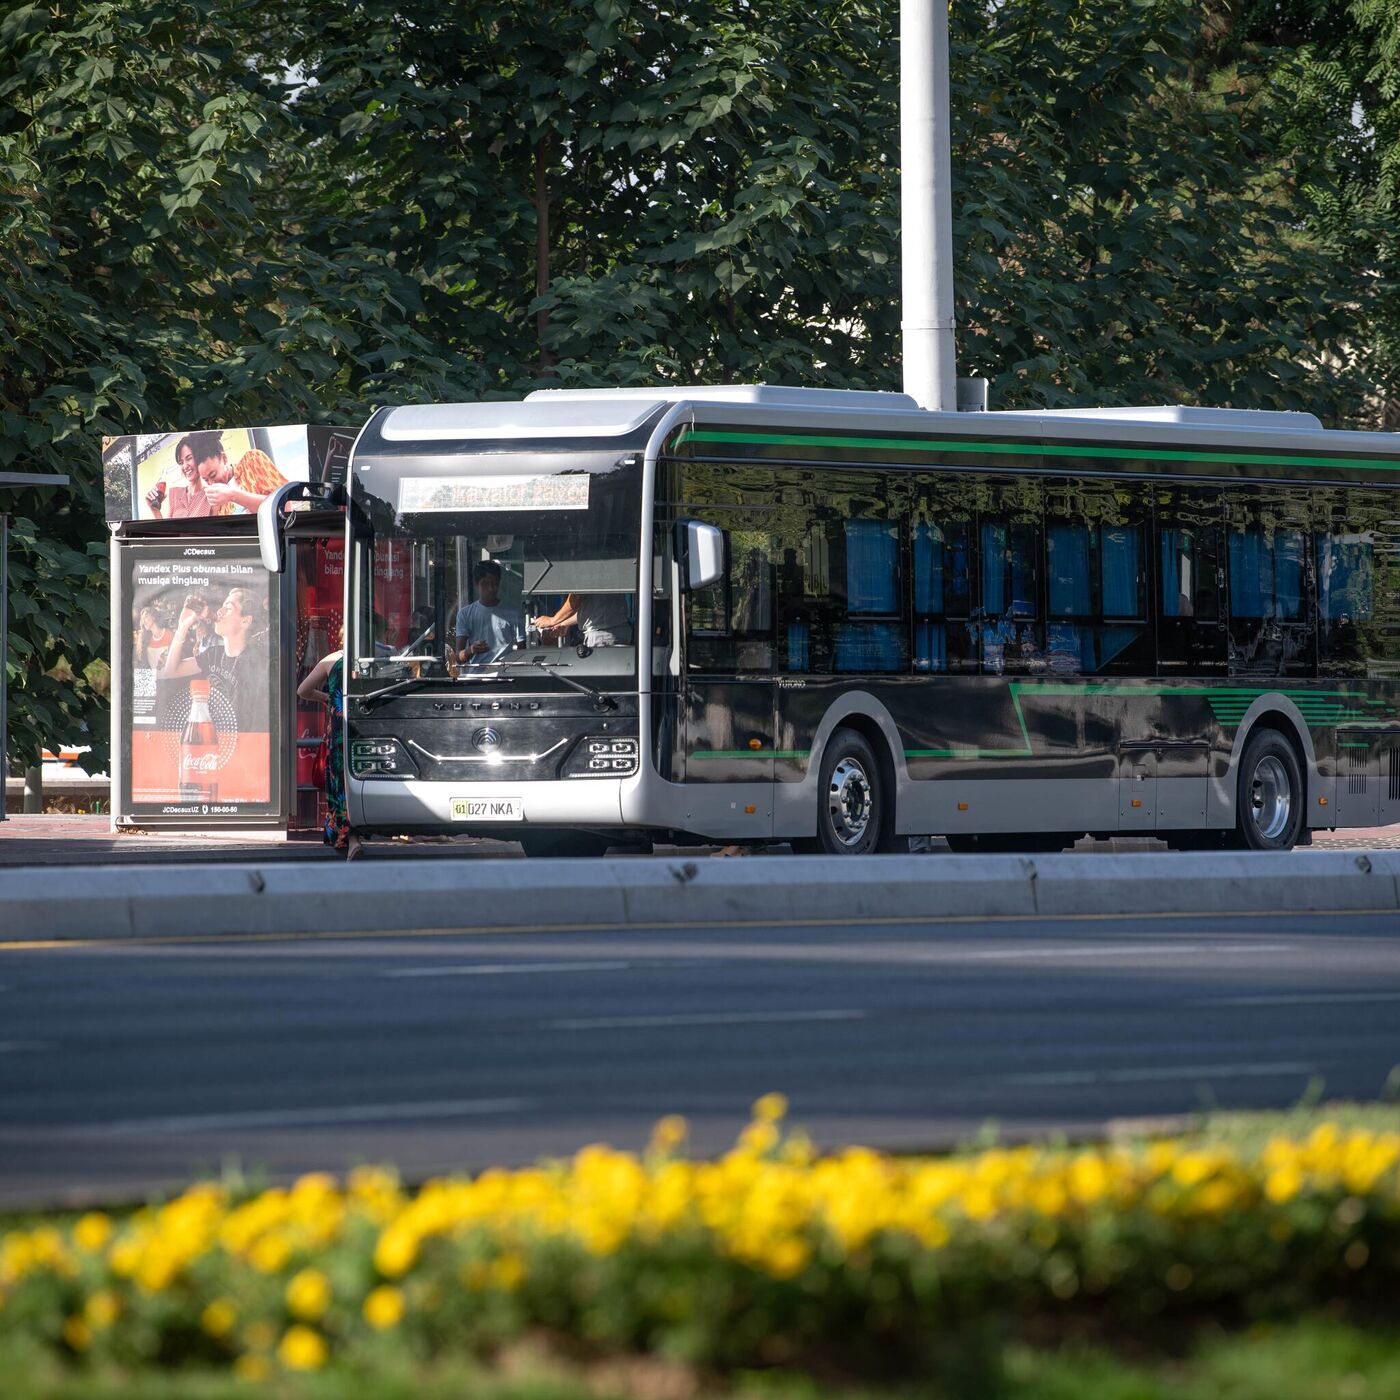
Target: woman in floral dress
x,y
326,681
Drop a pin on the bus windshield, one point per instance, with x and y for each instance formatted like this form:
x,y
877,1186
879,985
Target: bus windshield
x,y
478,565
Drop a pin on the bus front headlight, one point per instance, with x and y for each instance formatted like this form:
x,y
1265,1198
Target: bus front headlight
x,y
602,756
380,758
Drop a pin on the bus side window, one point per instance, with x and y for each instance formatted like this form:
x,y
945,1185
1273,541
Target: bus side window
x,y
1189,634
1012,631
731,622
941,548
942,561
870,639
1356,554
1096,579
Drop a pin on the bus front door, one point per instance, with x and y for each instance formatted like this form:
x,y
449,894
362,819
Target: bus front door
x,y
728,718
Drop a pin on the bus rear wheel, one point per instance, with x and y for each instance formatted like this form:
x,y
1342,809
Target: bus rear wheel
x,y
851,808
1269,811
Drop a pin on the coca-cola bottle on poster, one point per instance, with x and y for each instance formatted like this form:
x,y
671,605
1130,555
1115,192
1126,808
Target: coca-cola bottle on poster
x,y
199,749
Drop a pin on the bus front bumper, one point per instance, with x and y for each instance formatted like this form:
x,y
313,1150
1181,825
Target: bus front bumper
x,y
411,804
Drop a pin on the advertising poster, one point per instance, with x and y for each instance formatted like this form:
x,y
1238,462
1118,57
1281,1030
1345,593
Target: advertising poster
x,y
210,472
199,685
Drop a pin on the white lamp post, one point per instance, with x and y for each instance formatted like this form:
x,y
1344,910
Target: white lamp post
x,y
926,205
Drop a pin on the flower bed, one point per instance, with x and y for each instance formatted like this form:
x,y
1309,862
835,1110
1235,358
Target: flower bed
x,y
859,1263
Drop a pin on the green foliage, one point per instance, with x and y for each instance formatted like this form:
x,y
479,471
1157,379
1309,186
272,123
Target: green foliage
x,y
216,211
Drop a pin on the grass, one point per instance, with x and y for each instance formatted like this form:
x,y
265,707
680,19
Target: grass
x,y
1315,1359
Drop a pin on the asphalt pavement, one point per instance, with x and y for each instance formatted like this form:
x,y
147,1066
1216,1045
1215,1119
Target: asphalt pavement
x,y
124,1068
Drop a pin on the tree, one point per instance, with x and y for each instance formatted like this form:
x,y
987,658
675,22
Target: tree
x,y
143,284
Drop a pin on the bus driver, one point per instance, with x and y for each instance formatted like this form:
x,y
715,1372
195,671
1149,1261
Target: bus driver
x,y
483,625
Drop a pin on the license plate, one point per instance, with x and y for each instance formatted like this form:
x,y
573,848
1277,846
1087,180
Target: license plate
x,y
488,809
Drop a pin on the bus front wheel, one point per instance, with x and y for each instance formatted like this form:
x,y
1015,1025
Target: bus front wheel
x,y
1269,812
851,808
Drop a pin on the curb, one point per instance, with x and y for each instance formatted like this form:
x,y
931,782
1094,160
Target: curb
x,y
498,896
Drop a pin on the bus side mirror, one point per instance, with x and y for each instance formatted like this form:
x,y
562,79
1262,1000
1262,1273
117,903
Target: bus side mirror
x,y
272,509
271,543
702,555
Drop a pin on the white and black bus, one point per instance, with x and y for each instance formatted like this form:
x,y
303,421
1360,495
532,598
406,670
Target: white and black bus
x,y
760,614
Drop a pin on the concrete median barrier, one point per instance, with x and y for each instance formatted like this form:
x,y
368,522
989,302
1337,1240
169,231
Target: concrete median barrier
x,y
180,901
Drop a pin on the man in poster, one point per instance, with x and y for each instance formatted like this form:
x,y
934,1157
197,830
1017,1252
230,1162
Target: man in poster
x,y
239,659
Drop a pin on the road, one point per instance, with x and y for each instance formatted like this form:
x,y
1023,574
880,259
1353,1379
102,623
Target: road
x,y
126,1067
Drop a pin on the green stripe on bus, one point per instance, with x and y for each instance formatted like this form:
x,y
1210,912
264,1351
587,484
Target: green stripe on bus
x,y
1145,454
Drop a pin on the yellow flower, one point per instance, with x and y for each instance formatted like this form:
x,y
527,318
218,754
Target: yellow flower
x,y
383,1307
1282,1184
787,1258
669,1133
252,1368
92,1232
396,1252
509,1272
156,1270
302,1349
102,1309
1088,1179
1192,1168
77,1333
16,1257
759,1138
219,1318
771,1108
270,1254
308,1295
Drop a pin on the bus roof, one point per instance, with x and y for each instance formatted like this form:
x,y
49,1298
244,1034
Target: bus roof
x,y
622,412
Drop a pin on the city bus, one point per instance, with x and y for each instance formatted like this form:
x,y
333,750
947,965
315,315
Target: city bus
x,y
757,615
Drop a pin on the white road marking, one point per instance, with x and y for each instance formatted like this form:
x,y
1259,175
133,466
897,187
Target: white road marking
x,y
1298,999
1117,950
1149,1073
507,969
702,1018
310,1117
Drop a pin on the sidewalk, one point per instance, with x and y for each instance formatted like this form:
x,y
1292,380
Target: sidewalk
x,y
60,840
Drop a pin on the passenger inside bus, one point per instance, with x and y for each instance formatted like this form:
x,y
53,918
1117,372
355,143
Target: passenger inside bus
x,y
602,619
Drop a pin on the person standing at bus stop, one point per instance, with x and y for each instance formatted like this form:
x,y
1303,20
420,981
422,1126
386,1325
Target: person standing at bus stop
x,y
326,681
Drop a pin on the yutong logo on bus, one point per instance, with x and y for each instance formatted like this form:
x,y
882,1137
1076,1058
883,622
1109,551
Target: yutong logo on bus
x,y
486,740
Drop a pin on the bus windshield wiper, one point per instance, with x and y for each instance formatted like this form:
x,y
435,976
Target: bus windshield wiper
x,y
411,683
601,699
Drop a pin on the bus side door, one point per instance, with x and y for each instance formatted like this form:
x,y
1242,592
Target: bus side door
x,y
728,704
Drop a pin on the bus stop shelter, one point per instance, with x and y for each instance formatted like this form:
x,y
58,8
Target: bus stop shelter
x,y
11,481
